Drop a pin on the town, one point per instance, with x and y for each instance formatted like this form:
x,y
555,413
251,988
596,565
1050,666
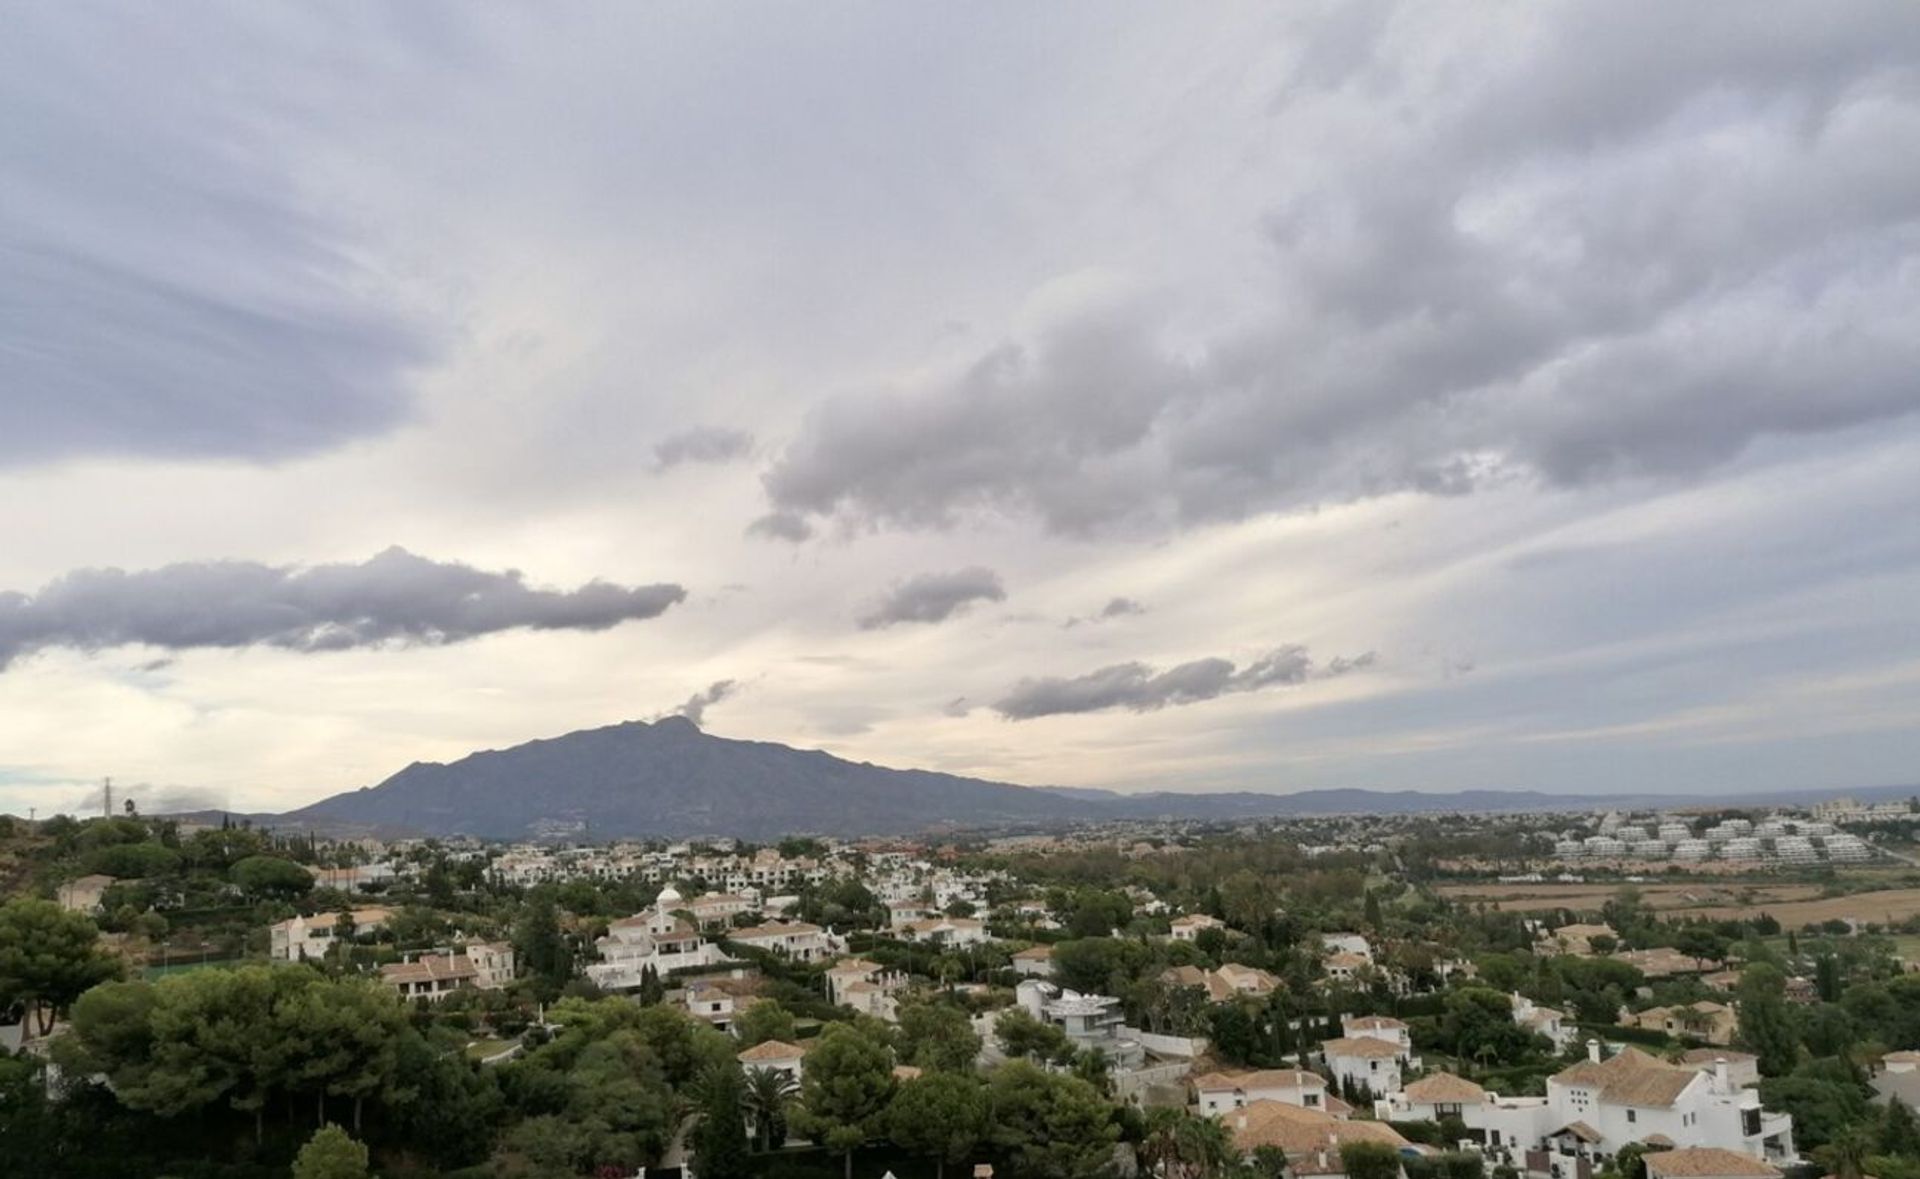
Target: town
x,y
1450,996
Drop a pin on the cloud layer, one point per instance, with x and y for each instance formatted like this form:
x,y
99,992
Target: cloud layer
x,y
168,290
393,597
702,444
1608,258
1137,687
934,597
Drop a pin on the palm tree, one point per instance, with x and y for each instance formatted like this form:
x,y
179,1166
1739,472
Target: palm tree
x,y
1180,1144
769,1092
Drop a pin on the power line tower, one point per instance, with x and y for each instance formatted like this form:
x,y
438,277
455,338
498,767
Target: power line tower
x,y
106,806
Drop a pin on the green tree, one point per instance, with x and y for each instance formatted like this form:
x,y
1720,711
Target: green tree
x,y
48,959
941,1115
1180,1144
1021,1035
719,1137
540,947
1899,1132
331,1153
1845,1156
937,1036
1054,1126
763,1021
844,1092
1766,1024
1369,1160
769,1093
271,877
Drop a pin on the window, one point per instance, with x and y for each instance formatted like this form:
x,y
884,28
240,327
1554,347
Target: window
x,y
1750,1122
1633,1115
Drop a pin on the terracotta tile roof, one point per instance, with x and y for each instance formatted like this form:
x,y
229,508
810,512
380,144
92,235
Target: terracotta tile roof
x,y
1349,960
1445,1089
1375,1023
1364,1047
906,1072
429,968
1034,954
771,1050
1631,1078
1580,1130
1299,1131
1709,1162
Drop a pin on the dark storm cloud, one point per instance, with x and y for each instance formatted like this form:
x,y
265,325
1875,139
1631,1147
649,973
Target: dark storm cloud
x,y
164,288
702,444
695,708
1653,237
934,597
392,598
1139,688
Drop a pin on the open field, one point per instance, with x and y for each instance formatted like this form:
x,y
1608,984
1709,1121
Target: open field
x,y
1526,898
1885,907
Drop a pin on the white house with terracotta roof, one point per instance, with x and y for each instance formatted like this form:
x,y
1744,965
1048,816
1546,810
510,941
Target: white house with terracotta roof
x,y
1555,1025
1034,962
1347,943
777,1055
1218,1093
1366,1061
482,966
1343,965
1190,927
1595,1107
1708,1162
1310,1138
867,987
798,940
719,908
946,931
1380,1027
299,938
658,939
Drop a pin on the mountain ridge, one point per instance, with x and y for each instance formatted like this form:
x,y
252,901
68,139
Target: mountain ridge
x,y
670,779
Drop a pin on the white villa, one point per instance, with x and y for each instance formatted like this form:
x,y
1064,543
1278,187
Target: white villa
x,y
658,938
1554,1025
299,938
1217,1093
795,939
1595,1107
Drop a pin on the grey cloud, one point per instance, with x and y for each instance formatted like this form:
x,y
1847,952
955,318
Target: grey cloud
x,y
695,708
935,597
1115,608
702,444
1575,282
1139,688
788,526
167,290
394,597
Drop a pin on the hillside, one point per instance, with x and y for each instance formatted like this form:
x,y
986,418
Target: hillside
x,y
670,779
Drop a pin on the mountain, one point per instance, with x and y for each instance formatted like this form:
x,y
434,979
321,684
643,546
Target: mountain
x,y
670,779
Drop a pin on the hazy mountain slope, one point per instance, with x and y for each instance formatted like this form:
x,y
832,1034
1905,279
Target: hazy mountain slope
x,y
668,778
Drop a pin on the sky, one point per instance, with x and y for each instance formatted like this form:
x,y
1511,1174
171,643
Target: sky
x,y
1265,397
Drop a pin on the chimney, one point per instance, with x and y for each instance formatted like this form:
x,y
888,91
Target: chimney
x,y
1722,1078
1593,1051
1240,1121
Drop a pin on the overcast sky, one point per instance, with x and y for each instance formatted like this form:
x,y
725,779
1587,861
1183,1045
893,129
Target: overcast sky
x,y
1265,396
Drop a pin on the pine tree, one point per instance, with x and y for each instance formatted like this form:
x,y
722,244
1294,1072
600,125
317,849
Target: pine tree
x,y
719,1140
